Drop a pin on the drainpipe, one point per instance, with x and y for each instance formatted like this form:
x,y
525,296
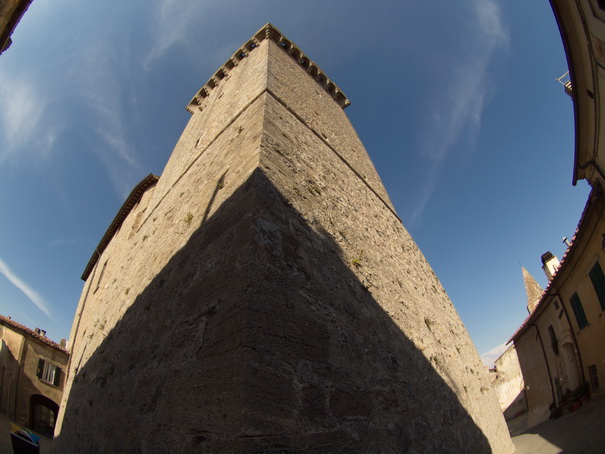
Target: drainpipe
x,y
8,396
552,391
19,367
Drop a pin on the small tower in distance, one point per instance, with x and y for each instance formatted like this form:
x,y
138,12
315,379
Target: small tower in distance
x,y
550,264
532,289
262,295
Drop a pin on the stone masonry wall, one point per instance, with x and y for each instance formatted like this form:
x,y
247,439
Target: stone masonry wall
x,y
375,245
264,297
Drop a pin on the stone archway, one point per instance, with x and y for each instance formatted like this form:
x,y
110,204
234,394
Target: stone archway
x,y
571,365
43,415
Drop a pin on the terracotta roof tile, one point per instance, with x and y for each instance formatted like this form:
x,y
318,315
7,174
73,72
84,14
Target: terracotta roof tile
x,y
542,303
7,321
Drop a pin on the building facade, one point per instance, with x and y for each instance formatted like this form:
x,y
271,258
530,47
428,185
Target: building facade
x,y
582,27
32,376
507,381
262,295
560,344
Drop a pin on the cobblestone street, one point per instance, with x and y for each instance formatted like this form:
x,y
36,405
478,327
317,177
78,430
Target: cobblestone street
x,y
5,439
578,432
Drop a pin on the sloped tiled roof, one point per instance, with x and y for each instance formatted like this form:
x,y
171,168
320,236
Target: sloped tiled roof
x,y
7,321
562,265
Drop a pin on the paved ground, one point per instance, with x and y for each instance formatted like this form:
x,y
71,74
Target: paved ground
x,y
582,431
5,439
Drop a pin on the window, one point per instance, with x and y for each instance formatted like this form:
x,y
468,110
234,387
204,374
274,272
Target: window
x,y
48,372
554,343
594,376
598,282
578,310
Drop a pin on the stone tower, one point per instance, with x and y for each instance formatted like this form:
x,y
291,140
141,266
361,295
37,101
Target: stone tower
x,y
263,296
532,289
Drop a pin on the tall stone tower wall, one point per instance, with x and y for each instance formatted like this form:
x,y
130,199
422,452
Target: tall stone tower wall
x,y
263,296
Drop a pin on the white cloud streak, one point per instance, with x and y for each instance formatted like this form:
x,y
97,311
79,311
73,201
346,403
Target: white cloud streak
x,y
492,355
172,21
22,109
99,88
62,242
26,289
458,112
31,321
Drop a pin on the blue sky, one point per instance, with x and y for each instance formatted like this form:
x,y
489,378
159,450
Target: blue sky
x,y
456,103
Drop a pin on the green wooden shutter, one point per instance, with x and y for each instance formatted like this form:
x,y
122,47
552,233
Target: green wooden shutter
x,y
578,310
598,282
57,380
40,368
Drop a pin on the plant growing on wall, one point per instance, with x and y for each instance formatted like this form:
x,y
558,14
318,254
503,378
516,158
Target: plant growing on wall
x,y
356,262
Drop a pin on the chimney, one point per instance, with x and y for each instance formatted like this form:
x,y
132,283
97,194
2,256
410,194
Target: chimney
x,y
63,344
550,263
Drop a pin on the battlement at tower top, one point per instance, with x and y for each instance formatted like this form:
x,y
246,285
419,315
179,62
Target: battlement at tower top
x,y
268,32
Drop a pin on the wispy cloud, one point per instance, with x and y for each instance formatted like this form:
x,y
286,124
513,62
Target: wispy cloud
x,y
26,289
59,242
99,88
457,111
31,321
22,108
492,355
172,21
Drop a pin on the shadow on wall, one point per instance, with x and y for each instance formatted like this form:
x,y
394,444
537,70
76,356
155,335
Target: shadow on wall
x,y
257,337
517,407
9,367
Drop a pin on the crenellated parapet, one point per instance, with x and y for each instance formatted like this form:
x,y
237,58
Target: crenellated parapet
x,y
268,32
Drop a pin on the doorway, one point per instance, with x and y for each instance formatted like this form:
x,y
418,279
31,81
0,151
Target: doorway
x,y
43,415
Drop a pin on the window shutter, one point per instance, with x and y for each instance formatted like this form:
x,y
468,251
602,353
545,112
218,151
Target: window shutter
x,y
598,282
57,376
578,310
40,368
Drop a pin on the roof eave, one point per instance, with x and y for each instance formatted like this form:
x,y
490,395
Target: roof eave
x,y
132,199
564,264
574,63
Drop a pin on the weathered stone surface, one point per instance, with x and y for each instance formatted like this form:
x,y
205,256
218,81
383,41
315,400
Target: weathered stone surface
x,y
264,297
